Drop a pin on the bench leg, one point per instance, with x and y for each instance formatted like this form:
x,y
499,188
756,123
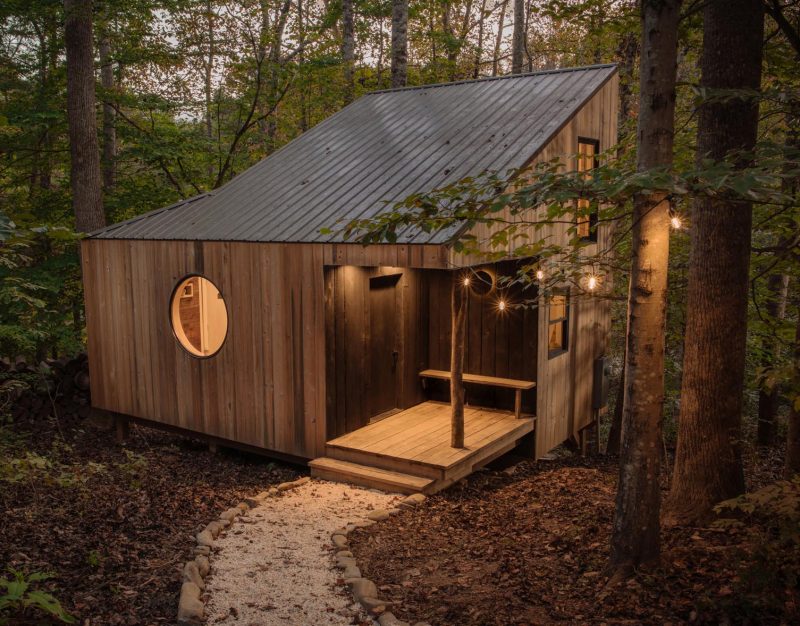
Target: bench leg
x,y
518,403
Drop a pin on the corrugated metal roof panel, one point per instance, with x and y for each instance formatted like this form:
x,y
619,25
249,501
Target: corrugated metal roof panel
x,y
380,149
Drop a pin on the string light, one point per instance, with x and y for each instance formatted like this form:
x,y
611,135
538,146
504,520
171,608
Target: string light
x,y
676,222
592,283
466,281
501,304
539,274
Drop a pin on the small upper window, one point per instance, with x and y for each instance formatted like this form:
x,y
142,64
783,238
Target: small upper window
x,y
199,316
588,149
558,324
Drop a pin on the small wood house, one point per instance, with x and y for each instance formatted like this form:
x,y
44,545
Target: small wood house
x,y
232,314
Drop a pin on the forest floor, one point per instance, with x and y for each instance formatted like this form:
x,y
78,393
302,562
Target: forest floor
x,y
529,545
114,523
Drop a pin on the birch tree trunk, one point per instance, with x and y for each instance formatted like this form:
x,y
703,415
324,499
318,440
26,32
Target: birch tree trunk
x,y
768,397
399,42
87,196
499,39
518,38
348,49
459,317
479,50
708,461
792,461
635,535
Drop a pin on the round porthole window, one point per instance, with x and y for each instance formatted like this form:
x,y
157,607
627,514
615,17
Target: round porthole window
x,y
482,282
199,316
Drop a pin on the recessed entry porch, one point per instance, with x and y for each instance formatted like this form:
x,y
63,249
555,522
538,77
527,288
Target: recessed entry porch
x,y
387,359
410,451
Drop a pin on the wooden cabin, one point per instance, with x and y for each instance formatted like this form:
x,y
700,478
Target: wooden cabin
x,y
236,315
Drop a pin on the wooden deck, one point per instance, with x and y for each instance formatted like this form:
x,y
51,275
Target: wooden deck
x,y
410,450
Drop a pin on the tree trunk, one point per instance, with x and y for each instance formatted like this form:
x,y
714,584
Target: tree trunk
x,y
708,461
792,465
87,196
615,432
459,316
109,114
476,71
399,42
518,38
499,39
209,70
348,49
635,535
768,397
627,52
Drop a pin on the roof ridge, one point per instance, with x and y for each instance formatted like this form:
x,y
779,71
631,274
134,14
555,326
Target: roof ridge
x,y
465,81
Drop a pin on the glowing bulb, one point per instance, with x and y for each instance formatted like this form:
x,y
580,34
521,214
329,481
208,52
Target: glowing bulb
x,y
676,222
501,305
592,284
466,281
539,274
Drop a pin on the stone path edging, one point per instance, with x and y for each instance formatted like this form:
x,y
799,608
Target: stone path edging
x,y
364,591
190,605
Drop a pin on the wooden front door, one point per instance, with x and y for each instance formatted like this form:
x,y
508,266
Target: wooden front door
x,y
384,344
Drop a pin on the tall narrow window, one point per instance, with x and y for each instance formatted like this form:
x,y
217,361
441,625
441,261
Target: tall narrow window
x,y
588,150
558,324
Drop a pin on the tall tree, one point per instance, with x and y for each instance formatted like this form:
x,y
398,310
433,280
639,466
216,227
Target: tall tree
x,y
499,38
708,463
769,394
87,198
792,465
518,37
348,49
399,42
635,537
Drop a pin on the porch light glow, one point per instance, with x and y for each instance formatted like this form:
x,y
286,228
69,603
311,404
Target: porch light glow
x,y
466,281
501,305
676,222
592,283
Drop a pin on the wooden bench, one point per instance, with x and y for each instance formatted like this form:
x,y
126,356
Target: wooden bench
x,y
493,381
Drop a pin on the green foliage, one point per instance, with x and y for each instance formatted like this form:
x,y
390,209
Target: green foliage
x,y
21,597
770,518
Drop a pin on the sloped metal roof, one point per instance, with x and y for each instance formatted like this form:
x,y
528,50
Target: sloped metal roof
x,y
381,148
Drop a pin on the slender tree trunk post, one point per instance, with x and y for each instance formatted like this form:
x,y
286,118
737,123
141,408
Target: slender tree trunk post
x,y
459,318
122,428
635,534
87,195
792,461
109,114
778,287
615,432
708,459
348,49
518,38
399,42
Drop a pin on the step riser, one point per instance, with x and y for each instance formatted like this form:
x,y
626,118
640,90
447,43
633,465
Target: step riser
x,y
372,483
387,463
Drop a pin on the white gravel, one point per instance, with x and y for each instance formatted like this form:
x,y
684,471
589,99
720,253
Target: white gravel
x,y
274,565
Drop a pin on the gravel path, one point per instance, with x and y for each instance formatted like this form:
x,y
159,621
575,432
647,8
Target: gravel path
x,y
274,565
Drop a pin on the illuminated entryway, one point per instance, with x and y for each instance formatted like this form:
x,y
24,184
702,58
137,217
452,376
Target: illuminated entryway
x,y
199,316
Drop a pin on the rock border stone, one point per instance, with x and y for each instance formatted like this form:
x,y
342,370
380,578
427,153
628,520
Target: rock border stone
x,y
364,591
191,608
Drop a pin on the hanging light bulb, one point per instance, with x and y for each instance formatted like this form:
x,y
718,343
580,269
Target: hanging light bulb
x,y
676,222
592,283
539,274
466,281
501,305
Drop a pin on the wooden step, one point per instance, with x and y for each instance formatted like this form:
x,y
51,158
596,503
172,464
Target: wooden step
x,y
345,471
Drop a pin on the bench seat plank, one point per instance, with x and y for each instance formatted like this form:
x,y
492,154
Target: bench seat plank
x,y
495,381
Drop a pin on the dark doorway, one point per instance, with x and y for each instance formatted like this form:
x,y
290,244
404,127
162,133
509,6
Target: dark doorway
x,y
384,345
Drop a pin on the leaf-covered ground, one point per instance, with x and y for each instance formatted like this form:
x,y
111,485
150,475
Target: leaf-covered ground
x,y
114,523
531,546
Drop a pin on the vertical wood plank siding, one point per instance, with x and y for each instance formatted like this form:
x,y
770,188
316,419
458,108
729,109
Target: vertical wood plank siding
x,y
266,386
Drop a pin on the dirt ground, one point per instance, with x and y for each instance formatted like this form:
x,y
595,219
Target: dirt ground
x,y
530,545
114,523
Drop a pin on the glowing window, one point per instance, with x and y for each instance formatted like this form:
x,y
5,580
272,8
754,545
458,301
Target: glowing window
x,y
558,325
199,316
588,150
